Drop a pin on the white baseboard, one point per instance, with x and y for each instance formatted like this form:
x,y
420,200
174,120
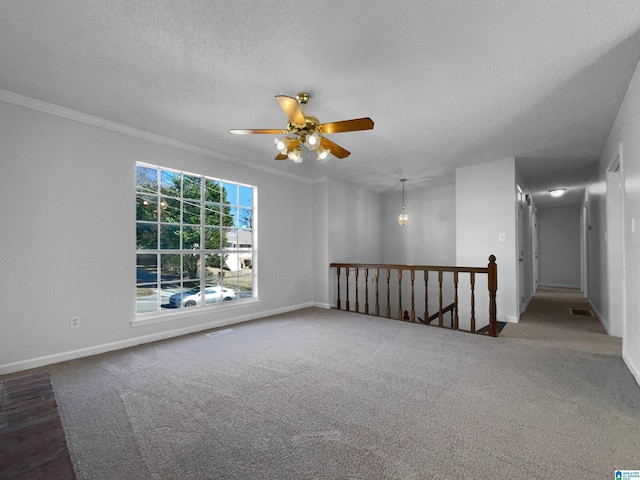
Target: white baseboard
x,y
557,285
510,319
526,304
604,321
132,342
634,369
326,306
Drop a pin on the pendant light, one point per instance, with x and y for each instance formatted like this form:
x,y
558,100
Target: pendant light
x,y
403,218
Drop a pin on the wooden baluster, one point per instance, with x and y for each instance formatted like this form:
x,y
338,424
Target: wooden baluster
x,y
377,310
473,301
413,309
493,288
440,297
347,282
388,294
338,302
357,296
455,314
344,299
399,294
366,291
426,296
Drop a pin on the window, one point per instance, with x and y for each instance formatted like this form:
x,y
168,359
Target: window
x,y
193,234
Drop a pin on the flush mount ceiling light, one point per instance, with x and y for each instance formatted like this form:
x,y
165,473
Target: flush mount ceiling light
x,y
307,130
557,192
403,218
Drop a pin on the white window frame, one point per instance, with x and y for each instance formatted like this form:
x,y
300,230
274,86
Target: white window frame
x,y
198,248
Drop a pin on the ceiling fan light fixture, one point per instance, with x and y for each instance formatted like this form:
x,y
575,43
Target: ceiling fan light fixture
x,y
313,141
322,152
282,144
307,129
295,155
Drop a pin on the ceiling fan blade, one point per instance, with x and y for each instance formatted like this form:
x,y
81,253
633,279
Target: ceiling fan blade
x,y
291,108
281,156
272,131
294,144
347,125
335,149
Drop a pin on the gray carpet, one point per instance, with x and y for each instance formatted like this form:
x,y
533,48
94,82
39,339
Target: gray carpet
x,y
319,394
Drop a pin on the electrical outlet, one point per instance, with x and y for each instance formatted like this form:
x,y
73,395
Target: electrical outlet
x,y
74,322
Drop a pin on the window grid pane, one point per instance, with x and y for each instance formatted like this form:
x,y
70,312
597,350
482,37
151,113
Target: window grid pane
x,y
191,229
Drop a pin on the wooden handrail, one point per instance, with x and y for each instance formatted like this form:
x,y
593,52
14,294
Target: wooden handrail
x,y
449,308
399,266
372,273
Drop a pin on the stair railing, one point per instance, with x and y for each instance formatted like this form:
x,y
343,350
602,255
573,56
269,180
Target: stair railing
x,y
358,284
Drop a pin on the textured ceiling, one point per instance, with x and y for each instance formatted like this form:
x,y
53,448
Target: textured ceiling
x,y
448,83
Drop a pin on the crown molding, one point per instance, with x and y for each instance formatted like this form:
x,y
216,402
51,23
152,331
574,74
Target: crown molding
x,y
63,112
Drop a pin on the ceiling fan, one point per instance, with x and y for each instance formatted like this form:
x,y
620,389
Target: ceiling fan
x,y
307,131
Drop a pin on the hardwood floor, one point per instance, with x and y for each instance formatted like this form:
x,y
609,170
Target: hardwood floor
x,y
32,441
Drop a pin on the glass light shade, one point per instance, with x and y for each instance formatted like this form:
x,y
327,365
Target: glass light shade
x,y
282,144
322,152
295,155
313,141
403,218
557,192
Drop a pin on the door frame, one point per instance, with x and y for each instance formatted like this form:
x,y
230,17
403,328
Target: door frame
x,y
615,199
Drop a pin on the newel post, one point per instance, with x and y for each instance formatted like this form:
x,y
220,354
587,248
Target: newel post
x,y
493,288
338,302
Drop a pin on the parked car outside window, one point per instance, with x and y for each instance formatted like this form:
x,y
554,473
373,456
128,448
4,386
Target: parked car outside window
x,y
193,296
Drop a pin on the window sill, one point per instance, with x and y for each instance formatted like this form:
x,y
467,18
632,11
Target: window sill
x,y
167,316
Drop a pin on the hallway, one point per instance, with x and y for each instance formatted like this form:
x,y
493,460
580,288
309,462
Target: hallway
x,y
548,319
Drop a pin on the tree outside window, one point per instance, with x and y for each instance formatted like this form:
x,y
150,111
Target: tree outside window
x,y
187,230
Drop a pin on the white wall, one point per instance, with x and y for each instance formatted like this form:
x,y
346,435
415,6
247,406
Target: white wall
x,y
321,271
559,246
485,213
624,135
350,215
346,228
426,239
353,223
67,245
